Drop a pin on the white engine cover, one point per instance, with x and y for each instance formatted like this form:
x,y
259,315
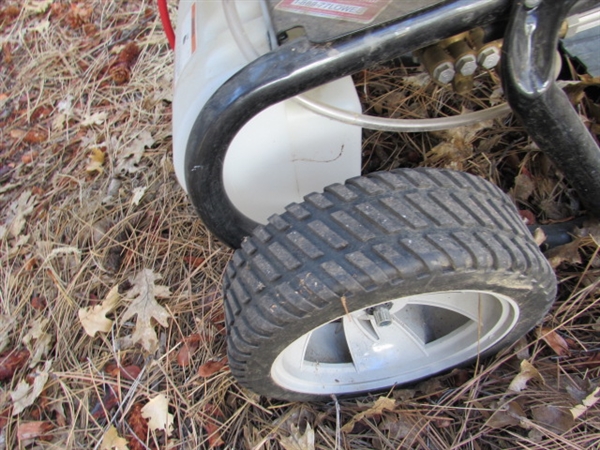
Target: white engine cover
x,y
283,153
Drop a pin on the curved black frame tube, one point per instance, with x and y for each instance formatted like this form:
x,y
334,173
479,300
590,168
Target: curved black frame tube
x,y
295,68
544,109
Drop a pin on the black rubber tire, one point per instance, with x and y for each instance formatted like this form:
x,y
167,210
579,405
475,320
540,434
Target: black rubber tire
x,y
375,238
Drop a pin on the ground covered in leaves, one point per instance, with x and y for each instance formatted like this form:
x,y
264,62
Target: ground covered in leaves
x,y
111,324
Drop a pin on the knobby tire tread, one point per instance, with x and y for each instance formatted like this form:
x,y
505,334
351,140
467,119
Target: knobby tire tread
x,y
382,229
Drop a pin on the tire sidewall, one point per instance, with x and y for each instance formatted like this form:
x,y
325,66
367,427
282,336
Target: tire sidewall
x,y
532,302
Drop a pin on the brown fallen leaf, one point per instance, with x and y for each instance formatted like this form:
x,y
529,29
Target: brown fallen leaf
x,y
28,431
400,426
17,133
212,426
189,346
523,188
112,441
79,14
35,136
539,236
96,158
381,404
587,403
94,319
26,394
297,440
139,427
527,373
157,413
554,340
211,367
508,415
194,261
38,341
109,400
29,157
555,419
214,434
528,217
592,362
567,253
12,361
144,305
8,13
38,302
127,371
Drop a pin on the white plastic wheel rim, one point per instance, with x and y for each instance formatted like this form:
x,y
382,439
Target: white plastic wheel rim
x,y
429,333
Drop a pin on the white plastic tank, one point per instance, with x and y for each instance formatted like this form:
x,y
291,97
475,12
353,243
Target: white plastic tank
x,y
283,153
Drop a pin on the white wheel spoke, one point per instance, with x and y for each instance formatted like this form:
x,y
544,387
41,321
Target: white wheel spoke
x,y
294,357
466,304
428,333
393,344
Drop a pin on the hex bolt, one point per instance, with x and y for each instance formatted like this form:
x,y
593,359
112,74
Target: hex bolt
x,y
438,63
489,57
466,65
382,316
465,62
444,73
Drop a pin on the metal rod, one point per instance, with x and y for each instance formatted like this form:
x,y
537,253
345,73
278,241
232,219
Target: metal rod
x,y
543,108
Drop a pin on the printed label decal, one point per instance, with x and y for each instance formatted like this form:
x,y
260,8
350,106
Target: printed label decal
x,y
363,11
186,42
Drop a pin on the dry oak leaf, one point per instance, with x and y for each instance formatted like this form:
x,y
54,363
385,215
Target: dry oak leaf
x,y
378,407
157,413
299,441
94,119
586,403
507,415
527,373
129,159
568,253
37,341
144,293
112,441
556,419
554,340
18,211
7,323
25,394
94,319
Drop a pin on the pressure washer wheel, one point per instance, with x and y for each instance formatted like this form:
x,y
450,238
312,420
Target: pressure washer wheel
x,y
384,280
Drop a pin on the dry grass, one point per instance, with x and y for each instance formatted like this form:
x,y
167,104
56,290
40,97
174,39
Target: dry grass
x,y
82,233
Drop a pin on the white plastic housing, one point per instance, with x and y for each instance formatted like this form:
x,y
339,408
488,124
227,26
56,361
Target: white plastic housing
x,y
283,153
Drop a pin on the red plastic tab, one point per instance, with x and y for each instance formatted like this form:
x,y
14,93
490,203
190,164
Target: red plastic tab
x,y
363,11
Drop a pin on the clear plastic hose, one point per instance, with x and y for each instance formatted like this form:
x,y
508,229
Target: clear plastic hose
x,y
362,120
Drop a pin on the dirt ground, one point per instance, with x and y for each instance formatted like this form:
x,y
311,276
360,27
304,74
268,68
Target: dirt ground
x,y
111,318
